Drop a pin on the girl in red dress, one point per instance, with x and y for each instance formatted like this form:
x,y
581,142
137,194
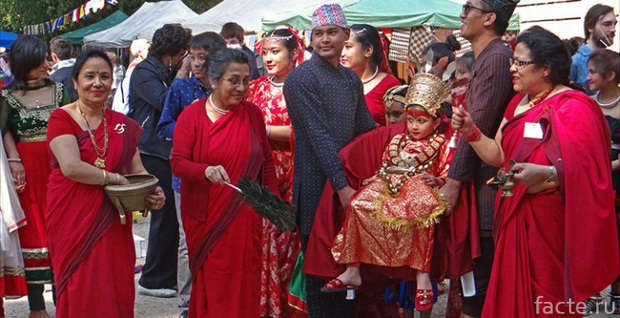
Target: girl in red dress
x,y
280,49
390,221
25,108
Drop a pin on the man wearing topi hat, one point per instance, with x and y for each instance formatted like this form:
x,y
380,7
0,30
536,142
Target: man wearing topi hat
x,y
483,22
325,102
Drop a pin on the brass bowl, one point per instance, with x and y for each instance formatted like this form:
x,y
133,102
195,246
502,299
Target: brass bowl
x,y
130,197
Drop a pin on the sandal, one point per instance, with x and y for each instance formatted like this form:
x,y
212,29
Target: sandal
x,y
424,299
336,285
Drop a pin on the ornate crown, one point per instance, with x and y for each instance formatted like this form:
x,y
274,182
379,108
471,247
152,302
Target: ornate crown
x,y
428,91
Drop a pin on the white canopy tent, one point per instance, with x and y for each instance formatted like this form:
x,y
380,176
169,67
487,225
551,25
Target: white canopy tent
x,y
142,24
247,13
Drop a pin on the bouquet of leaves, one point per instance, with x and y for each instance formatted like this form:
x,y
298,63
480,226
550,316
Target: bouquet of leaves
x,y
267,204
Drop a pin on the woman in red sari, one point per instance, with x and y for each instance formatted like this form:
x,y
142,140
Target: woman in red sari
x,y
556,237
281,50
25,107
217,140
364,53
94,253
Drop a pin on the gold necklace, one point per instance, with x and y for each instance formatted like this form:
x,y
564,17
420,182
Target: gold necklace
x,y
417,162
101,152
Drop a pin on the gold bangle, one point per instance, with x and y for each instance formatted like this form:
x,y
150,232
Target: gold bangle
x,y
13,160
105,178
118,178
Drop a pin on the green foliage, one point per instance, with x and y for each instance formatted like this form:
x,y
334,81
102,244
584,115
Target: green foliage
x,y
15,14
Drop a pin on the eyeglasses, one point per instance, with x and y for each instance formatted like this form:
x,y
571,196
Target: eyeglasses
x,y
237,82
467,7
520,64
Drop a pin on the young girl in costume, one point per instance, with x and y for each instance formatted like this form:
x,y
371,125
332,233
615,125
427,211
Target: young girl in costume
x,y
391,220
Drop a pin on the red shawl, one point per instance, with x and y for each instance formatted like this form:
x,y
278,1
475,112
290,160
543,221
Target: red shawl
x,y
83,224
559,244
223,233
367,149
453,251
237,141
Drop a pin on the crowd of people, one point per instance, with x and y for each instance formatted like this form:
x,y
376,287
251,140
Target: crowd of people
x,y
493,169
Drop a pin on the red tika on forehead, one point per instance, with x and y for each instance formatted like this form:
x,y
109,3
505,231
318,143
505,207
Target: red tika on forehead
x,y
416,112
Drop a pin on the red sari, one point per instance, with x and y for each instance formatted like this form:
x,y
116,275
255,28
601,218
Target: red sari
x,y
280,249
94,254
560,244
223,233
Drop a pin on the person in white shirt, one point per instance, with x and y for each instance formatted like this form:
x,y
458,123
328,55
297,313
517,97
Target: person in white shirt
x,y
139,50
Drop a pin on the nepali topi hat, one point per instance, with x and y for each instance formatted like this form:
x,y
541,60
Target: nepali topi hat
x,y
329,14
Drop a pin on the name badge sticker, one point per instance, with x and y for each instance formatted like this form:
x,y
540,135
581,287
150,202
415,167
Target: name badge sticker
x,y
533,130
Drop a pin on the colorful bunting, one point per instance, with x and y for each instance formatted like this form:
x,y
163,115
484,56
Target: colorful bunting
x,y
74,15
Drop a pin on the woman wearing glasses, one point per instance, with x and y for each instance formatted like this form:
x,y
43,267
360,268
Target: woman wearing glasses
x,y
217,140
559,226
148,89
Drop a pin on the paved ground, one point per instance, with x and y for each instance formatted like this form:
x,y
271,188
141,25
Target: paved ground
x,y
146,307
150,307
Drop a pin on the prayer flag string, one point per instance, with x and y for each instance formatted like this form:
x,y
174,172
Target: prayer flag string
x,y
74,16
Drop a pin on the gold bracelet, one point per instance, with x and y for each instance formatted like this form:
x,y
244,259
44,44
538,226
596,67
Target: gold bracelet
x,y
13,160
105,178
118,178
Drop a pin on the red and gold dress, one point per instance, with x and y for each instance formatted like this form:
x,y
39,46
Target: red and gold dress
x,y
279,249
392,223
29,124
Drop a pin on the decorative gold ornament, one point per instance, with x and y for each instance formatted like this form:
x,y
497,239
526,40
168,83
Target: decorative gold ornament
x,y
392,95
428,91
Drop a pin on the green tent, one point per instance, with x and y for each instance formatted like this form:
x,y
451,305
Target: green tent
x,y
77,36
386,14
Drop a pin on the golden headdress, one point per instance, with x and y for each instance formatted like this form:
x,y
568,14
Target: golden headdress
x,y
396,93
428,91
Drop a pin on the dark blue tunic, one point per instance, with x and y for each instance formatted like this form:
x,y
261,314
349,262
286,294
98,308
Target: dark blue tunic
x,y
327,109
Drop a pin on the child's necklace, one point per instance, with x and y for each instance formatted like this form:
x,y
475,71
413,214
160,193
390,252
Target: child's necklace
x,y
417,162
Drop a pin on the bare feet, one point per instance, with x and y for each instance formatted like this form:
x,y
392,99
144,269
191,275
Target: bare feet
x,y
39,314
351,276
423,280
